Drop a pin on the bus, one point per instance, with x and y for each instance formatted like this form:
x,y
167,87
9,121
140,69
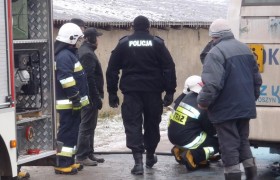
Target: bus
x,y
257,23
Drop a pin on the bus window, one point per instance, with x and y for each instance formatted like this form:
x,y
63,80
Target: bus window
x,y
260,2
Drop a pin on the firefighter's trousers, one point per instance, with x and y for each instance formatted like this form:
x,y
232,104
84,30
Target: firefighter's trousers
x,y
68,134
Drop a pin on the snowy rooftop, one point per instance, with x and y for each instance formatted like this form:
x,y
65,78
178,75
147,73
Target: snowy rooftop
x,y
159,12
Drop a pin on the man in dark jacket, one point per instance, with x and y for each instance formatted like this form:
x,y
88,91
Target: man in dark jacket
x,y
94,74
190,130
147,70
231,87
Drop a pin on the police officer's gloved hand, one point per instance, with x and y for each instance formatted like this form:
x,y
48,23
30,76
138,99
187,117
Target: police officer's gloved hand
x,y
114,100
76,105
167,100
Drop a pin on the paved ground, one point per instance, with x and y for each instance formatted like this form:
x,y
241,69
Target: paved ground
x,y
117,167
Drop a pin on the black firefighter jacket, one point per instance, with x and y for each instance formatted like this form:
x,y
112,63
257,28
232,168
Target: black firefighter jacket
x,y
188,121
146,64
71,82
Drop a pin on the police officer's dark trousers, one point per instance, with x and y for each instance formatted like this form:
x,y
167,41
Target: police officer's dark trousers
x,y
68,133
142,109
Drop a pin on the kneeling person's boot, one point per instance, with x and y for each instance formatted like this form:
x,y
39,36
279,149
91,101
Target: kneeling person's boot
x,y
189,160
138,167
175,151
233,176
151,159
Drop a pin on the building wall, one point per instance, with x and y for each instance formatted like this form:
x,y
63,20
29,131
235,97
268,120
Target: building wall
x,y
184,44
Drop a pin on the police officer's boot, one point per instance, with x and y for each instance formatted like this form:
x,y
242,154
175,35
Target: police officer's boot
x,y
151,159
138,167
250,169
233,176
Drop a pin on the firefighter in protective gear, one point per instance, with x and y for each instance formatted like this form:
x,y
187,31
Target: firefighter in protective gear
x,y
190,130
71,96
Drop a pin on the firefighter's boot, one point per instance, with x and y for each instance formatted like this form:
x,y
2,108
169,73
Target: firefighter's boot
x,y
138,166
189,160
151,159
23,175
175,151
204,164
214,158
233,176
77,166
65,170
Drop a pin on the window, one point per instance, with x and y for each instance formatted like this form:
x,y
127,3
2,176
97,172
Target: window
x,y
260,2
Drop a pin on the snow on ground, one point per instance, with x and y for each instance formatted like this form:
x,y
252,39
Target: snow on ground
x,y
127,10
110,135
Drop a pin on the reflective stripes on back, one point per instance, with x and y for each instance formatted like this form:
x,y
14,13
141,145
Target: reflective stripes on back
x,y
140,43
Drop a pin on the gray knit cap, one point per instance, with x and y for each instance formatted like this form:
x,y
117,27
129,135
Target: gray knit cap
x,y
218,28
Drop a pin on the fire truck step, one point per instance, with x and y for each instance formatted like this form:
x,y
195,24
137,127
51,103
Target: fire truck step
x,y
29,115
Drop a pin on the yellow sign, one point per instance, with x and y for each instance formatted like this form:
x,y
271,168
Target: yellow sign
x,y
257,50
179,117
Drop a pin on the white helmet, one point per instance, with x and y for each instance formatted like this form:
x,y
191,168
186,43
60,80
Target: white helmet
x,y
69,33
193,83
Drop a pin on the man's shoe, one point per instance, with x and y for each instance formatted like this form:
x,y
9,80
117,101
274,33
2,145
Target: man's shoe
x,y
189,161
65,170
77,166
87,162
151,159
175,151
23,175
93,158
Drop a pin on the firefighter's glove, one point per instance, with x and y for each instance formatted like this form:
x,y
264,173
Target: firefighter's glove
x,y
114,100
167,100
76,105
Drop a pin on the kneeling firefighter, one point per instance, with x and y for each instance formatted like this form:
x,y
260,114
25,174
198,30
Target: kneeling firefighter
x,y
71,96
190,129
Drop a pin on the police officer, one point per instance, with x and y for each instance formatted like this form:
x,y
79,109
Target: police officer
x,y
190,129
147,70
71,95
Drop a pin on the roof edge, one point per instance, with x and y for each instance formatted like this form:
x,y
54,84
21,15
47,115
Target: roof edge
x,y
155,24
